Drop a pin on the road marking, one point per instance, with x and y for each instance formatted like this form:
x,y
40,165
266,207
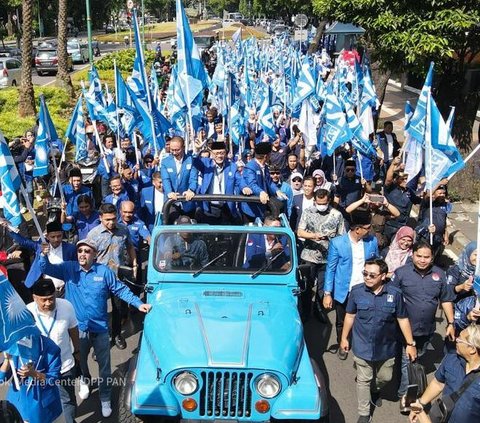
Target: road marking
x,y
75,71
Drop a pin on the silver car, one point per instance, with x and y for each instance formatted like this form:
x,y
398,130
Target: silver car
x,y
10,72
78,50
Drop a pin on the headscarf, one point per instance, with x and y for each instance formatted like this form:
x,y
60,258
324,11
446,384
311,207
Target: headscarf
x,y
325,184
397,257
467,269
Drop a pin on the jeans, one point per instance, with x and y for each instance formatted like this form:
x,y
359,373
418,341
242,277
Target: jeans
x,y
340,311
422,343
101,346
67,395
367,370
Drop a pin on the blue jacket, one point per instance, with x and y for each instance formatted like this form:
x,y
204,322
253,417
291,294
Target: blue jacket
x,y
185,180
146,211
89,291
339,264
69,253
122,197
256,252
232,181
102,170
41,402
462,308
253,178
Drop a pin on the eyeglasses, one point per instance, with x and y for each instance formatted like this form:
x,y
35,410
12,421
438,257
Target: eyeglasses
x,y
85,250
296,180
462,341
368,275
274,172
366,227
349,169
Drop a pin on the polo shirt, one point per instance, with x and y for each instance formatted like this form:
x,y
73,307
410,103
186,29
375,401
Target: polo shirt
x,y
403,200
138,231
349,190
85,224
422,294
375,330
452,373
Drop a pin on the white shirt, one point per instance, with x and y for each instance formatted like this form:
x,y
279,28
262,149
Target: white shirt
x,y
358,262
64,320
306,203
218,185
55,256
390,146
158,196
178,165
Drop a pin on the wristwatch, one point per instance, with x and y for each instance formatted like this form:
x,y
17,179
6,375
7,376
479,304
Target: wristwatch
x,y
449,323
412,344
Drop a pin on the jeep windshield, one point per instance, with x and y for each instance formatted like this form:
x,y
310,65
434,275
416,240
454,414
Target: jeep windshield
x,y
248,252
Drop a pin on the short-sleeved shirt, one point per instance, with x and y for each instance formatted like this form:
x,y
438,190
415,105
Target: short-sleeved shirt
x,y
111,246
375,330
451,372
422,294
55,325
85,224
138,231
403,200
349,190
329,224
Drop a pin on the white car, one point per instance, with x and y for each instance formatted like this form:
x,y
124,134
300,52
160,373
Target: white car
x,y
10,72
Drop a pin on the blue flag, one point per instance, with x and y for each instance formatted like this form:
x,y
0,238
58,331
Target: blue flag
x,y
360,139
305,86
336,130
16,321
44,138
76,132
10,184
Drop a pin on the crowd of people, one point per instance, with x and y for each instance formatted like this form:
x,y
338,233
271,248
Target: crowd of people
x,y
363,254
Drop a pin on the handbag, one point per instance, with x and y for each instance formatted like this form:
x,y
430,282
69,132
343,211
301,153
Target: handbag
x,y
417,376
442,408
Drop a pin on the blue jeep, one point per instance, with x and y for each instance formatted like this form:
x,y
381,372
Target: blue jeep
x,y
224,339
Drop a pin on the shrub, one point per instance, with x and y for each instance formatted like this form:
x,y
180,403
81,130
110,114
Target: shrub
x,y
124,59
59,105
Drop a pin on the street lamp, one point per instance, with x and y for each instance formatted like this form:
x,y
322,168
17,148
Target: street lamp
x,y
89,33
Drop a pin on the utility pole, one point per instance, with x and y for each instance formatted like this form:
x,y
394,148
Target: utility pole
x,y
89,33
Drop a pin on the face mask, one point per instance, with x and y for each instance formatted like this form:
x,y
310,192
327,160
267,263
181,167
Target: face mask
x,y
322,207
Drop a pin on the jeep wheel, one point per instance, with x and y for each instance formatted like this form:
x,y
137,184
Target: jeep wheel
x,y
124,413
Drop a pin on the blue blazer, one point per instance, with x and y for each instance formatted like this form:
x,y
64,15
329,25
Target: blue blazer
x,y
255,251
69,252
297,210
122,197
231,179
146,211
41,403
253,178
339,264
185,180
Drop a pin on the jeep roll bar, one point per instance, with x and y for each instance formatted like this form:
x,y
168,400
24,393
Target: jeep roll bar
x,y
210,197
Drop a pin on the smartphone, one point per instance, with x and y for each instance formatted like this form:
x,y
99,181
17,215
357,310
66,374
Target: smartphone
x,y
411,397
376,198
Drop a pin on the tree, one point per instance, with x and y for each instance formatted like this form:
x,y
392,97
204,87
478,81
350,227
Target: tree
x,y
405,36
26,102
63,77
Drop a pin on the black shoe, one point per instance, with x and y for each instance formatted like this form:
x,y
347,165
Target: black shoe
x,y
376,399
120,342
342,354
403,408
364,419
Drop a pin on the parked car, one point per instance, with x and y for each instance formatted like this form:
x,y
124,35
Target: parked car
x,y
8,51
78,50
46,61
10,72
224,339
109,29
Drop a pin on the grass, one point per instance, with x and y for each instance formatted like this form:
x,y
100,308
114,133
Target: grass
x,y
59,105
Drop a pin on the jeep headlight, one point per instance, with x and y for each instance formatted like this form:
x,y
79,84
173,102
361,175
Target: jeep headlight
x,y
268,385
185,383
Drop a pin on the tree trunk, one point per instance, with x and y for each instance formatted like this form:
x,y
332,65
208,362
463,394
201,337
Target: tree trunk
x,y
318,37
63,77
26,101
380,79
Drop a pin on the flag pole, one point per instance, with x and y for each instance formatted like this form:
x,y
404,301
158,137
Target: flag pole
x,y
428,142
32,212
466,160
16,382
116,99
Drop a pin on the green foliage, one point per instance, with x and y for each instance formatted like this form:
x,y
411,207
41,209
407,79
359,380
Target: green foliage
x,y
218,6
124,59
407,34
59,105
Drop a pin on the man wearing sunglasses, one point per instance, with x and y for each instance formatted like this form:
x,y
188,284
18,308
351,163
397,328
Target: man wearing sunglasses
x,y
376,313
350,186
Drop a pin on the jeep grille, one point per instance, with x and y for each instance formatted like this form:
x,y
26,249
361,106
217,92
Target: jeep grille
x,y
226,394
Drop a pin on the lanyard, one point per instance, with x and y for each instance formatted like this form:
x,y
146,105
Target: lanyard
x,y
47,333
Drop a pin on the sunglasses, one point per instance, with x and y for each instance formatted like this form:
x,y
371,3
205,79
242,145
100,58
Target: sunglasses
x,y
274,172
368,275
462,341
296,180
349,169
85,250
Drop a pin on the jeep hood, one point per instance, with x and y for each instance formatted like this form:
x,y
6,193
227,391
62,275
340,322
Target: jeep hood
x,y
255,327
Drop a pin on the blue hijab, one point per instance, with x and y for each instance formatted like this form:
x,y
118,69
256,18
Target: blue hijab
x,y
467,269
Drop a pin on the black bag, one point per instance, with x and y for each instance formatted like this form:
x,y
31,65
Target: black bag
x,y
417,376
442,408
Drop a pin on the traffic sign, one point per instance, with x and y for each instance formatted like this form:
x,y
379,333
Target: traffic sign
x,y
300,35
301,21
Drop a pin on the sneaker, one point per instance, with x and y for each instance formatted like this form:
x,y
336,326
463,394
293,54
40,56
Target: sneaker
x,y
84,391
342,354
364,419
403,408
106,408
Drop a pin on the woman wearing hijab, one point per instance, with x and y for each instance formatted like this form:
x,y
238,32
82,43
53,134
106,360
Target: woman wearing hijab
x,y
400,249
460,275
321,182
